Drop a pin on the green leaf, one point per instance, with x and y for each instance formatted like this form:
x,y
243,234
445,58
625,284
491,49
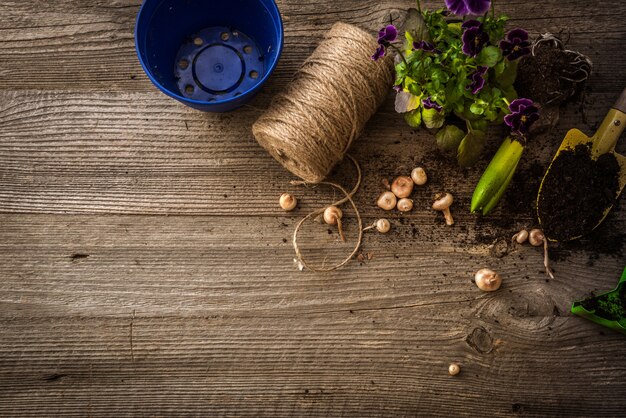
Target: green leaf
x,y
408,42
455,28
432,118
401,70
489,56
509,94
470,148
478,125
477,109
499,67
414,89
508,75
453,93
449,137
413,118
405,102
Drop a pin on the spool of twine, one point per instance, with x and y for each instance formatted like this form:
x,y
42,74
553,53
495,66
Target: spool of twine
x,y
309,127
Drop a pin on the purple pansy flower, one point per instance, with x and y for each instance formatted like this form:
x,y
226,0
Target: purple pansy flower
x,y
523,114
472,23
478,81
430,104
397,88
379,53
474,39
468,7
515,45
426,46
387,34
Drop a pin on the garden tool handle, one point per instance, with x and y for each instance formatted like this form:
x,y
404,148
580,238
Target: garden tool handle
x,y
620,104
612,127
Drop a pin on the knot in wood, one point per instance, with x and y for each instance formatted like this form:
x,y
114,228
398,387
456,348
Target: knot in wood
x,y
480,340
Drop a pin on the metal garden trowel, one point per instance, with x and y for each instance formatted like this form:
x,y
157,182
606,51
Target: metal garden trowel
x,y
607,309
602,142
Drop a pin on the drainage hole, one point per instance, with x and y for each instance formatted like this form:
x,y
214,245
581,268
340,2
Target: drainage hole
x,y
254,74
183,64
247,49
198,41
225,36
189,89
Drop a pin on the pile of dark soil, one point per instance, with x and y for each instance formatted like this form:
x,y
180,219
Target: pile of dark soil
x,y
521,198
611,306
552,74
576,192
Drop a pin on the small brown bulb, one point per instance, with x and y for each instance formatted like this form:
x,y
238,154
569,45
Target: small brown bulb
x,y
387,200
521,237
332,216
383,225
487,280
419,177
402,186
287,202
405,205
454,369
536,237
443,201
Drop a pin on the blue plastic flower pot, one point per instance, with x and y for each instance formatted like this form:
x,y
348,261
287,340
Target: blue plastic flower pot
x,y
211,55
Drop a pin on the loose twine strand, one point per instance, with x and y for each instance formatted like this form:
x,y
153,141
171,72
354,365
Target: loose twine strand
x,y
347,198
310,126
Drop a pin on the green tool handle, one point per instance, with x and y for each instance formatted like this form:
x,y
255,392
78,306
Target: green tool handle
x,y
612,127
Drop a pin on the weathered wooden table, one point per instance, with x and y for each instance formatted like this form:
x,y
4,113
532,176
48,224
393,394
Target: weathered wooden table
x,y
146,269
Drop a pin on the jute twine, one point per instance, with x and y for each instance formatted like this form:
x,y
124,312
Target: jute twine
x,y
319,212
310,126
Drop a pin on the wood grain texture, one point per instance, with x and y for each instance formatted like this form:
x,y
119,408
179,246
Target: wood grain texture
x,y
146,269
253,336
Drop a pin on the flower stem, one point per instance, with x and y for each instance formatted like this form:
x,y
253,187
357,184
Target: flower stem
x,y
419,7
493,9
399,53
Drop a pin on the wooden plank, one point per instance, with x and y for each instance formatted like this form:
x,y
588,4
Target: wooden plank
x,y
107,307
227,264
137,153
141,315
337,364
59,45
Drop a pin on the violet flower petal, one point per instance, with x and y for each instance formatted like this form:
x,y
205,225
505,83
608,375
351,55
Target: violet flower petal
x,y
523,114
472,23
477,79
518,33
515,45
387,34
426,46
458,7
474,39
379,53
430,104
477,7
519,105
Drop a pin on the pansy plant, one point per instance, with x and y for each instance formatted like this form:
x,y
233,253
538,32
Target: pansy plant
x,y
463,67
456,61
